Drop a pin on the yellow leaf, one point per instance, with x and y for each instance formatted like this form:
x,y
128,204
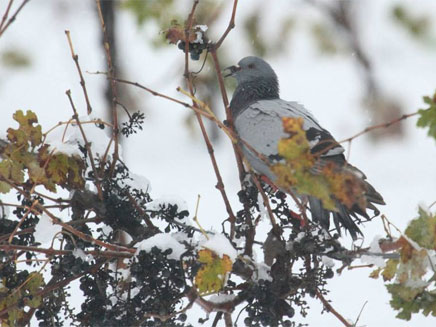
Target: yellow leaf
x,y
390,270
213,272
375,273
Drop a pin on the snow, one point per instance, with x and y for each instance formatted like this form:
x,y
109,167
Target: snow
x,y
137,182
79,253
167,200
219,244
163,242
69,148
203,28
45,230
199,38
262,209
221,298
4,211
65,137
300,236
328,262
378,261
262,272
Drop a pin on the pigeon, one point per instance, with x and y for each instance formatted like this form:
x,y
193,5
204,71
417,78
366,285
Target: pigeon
x,y
257,112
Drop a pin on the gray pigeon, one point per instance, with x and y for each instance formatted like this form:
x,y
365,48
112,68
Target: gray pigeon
x,y
257,112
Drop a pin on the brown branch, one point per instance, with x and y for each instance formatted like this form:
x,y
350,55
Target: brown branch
x,y
51,251
21,221
82,80
229,27
5,15
21,232
152,92
66,226
329,308
229,117
378,126
84,236
13,17
111,73
368,129
87,146
188,78
265,201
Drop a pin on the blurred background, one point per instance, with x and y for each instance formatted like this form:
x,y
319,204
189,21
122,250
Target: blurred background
x,y
352,63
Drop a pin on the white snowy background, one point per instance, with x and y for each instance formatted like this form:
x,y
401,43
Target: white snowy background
x,y
403,170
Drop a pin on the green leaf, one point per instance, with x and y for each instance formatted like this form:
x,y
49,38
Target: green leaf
x,y
422,230
12,170
427,117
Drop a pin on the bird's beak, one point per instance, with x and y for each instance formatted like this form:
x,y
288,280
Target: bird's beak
x,y
231,70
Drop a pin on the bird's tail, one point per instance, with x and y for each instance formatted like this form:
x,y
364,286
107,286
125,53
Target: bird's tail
x,y
344,217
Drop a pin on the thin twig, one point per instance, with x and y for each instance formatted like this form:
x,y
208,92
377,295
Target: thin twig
x,y
229,27
82,80
383,125
50,251
196,218
265,200
188,78
329,308
13,17
84,236
21,221
87,146
5,15
236,148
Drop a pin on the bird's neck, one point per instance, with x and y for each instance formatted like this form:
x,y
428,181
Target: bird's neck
x,y
250,92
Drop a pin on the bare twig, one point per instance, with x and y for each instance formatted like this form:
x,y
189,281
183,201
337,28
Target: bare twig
x,y
5,15
265,200
229,27
84,236
329,308
87,146
378,126
21,221
51,251
82,80
13,17
188,78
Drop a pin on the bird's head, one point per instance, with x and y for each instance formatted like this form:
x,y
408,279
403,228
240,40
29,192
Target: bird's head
x,y
251,69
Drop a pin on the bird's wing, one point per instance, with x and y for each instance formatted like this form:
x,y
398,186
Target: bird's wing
x,y
260,124
321,141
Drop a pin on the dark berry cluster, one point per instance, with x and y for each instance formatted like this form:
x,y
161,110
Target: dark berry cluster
x,y
195,49
149,297
264,307
135,122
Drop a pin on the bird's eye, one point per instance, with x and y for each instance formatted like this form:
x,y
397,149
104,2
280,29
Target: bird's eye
x,y
251,66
